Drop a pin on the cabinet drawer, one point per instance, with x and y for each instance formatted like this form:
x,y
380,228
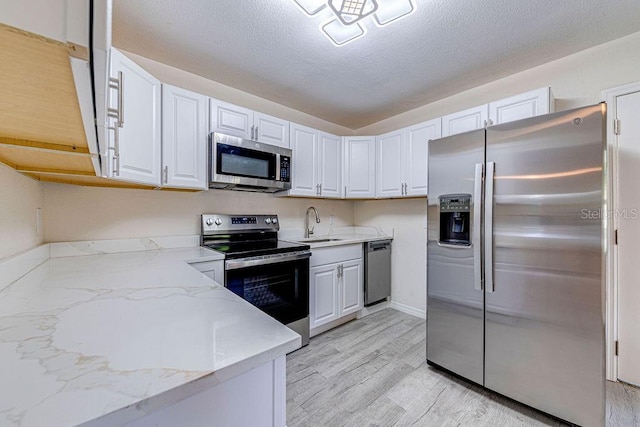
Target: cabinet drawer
x,y
334,254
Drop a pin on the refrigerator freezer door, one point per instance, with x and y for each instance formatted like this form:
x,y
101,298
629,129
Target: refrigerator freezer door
x,y
454,300
544,319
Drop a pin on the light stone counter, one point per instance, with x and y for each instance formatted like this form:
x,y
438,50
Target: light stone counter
x,y
117,336
338,236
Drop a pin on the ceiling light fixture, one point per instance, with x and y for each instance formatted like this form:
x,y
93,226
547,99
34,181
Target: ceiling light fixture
x,y
343,21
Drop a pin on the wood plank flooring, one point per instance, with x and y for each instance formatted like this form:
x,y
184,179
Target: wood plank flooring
x,y
372,372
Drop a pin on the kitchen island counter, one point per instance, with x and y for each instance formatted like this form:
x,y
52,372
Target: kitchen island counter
x,y
108,339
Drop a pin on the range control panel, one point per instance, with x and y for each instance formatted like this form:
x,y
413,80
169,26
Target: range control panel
x,y
221,223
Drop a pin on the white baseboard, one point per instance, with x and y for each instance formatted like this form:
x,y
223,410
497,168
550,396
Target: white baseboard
x,y
408,309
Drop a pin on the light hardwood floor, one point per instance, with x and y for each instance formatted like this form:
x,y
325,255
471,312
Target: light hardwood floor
x,y
372,372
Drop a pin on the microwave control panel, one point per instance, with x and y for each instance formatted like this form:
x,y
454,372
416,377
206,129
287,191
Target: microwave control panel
x,y
285,168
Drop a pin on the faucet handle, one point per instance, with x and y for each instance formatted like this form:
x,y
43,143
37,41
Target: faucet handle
x,y
311,231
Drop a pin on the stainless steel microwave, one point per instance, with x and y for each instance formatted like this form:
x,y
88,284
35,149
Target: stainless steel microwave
x,y
242,164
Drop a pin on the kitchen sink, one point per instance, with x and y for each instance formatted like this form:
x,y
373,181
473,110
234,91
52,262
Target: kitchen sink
x,y
320,240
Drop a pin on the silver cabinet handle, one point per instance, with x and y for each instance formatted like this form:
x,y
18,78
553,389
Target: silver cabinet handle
x,y
256,138
117,113
116,150
166,175
475,227
489,286
319,189
252,128
121,99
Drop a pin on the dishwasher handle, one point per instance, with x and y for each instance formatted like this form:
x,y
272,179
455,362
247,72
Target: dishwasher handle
x,y
378,246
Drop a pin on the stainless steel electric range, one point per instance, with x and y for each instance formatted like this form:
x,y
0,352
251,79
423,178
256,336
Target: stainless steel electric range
x,y
269,273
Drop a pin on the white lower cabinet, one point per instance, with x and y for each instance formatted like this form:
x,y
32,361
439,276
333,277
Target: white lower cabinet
x,y
214,270
336,283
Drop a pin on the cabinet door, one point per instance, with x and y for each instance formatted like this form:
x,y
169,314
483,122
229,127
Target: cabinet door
x,y
271,130
184,138
351,287
135,149
230,119
323,294
389,174
304,165
330,165
416,155
465,121
522,106
360,163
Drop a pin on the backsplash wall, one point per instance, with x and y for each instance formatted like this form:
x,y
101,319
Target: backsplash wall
x,y
19,198
91,213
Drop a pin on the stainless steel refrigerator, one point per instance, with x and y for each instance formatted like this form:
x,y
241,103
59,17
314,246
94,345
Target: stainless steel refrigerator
x,y
515,260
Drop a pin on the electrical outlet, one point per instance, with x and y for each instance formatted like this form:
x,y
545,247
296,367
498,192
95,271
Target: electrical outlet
x,y
332,219
38,220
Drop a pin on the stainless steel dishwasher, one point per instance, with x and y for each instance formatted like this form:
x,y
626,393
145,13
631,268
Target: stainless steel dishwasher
x,y
377,271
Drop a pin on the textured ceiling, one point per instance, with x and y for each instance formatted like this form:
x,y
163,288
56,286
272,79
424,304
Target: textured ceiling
x,y
270,48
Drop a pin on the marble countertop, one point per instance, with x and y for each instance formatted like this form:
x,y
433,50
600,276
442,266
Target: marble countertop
x,y
115,336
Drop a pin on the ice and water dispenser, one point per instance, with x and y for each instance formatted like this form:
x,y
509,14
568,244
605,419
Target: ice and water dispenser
x,y
455,219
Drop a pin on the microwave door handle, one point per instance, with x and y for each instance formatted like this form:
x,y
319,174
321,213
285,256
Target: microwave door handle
x,y
277,167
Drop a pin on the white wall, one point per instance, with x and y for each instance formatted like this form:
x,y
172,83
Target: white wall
x,y
19,198
575,80
92,213
409,248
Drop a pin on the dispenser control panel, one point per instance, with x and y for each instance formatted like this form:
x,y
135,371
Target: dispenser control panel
x,y
455,219
459,203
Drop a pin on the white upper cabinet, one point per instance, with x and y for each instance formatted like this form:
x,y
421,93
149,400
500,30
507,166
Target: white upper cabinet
x,y
330,165
416,153
401,168
184,138
317,163
522,106
465,121
359,168
231,119
134,151
304,164
245,123
389,173
271,130
517,107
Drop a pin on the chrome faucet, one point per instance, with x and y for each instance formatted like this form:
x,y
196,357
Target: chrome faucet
x,y
309,231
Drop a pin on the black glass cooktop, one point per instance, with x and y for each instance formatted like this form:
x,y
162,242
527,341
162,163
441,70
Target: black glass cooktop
x,y
249,245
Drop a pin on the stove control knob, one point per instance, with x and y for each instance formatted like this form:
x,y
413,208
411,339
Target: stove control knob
x,y
274,220
267,220
209,222
218,221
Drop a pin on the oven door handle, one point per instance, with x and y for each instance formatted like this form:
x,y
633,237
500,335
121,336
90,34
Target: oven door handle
x,y
235,264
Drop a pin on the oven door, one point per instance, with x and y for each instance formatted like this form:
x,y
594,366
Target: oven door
x,y
277,285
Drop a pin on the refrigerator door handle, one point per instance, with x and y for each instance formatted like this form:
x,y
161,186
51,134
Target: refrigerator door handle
x,y
477,218
488,230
